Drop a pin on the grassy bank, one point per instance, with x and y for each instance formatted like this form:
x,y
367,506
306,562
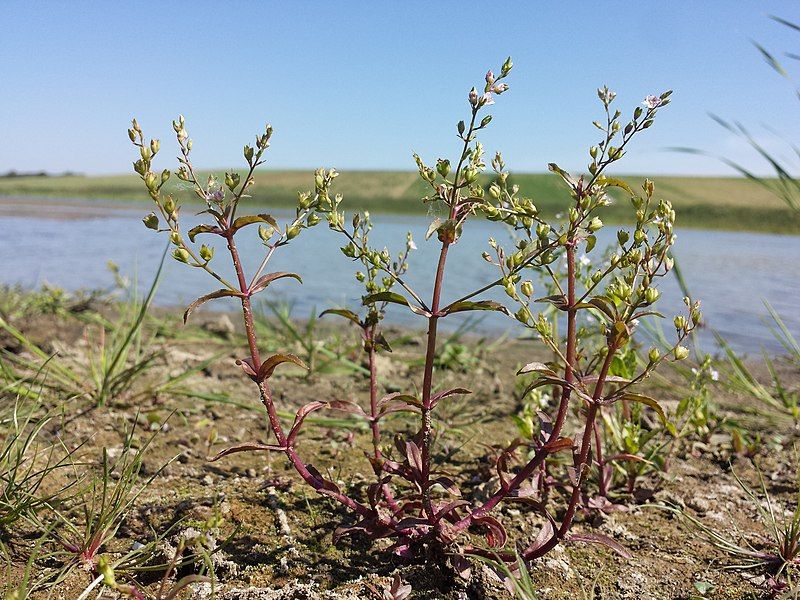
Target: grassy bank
x,y
701,202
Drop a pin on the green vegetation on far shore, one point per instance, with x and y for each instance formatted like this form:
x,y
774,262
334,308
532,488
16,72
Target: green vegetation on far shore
x,y
702,202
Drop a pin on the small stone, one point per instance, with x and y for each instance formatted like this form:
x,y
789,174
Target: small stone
x,y
221,326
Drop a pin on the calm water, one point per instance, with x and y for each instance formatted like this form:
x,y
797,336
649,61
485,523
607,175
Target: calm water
x,y
68,245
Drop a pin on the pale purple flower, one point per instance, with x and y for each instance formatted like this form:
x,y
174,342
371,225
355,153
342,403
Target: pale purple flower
x,y
487,99
500,88
651,101
473,96
489,77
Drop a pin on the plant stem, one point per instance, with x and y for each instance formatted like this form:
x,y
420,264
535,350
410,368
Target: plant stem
x,y
427,381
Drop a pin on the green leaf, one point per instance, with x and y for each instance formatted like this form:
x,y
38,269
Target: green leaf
x,y
342,312
466,305
616,182
652,403
250,219
394,298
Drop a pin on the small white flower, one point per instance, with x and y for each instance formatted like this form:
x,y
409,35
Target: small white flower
x,y
714,375
411,245
487,99
584,260
651,101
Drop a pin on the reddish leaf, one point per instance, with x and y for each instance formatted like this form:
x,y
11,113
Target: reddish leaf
x,y
496,535
268,366
194,231
301,415
537,367
248,367
448,484
348,407
414,457
203,299
263,281
545,533
599,538
441,395
559,445
251,447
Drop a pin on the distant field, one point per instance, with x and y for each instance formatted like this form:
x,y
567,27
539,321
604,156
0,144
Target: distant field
x,y
701,202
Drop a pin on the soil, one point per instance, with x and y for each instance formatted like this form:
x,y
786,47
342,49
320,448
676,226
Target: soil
x,y
276,534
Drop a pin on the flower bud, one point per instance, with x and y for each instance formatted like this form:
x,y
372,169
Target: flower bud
x,y
489,77
150,181
181,255
443,167
679,322
175,238
681,352
595,224
169,205
360,276
651,295
622,237
473,96
292,232
506,68
206,253
155,146
653,355
151,221
527,288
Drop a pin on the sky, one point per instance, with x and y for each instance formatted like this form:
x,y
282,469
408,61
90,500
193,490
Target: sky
x,y
362,85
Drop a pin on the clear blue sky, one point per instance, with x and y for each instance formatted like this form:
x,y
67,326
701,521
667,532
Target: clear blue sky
x,y
360,85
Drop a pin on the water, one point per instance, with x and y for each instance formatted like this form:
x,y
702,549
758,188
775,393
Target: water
x,y
68,243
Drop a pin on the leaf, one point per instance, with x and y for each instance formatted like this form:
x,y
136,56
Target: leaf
x,y
203,299
249,447
608,379
615,182
394,298
455,391
348,407
267,368
545,533
559,445
652,403
342,312
325,485
564,175
194,231
599,538
557,300
399,396
602,305
466,305
435,224
250,219
448,484
496,537
414,457
263,281
247,367
537,367
301,415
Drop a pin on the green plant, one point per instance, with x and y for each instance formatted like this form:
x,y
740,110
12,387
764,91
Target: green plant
x,y
413,500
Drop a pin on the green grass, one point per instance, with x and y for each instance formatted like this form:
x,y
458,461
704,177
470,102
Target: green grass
x,y
703,202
